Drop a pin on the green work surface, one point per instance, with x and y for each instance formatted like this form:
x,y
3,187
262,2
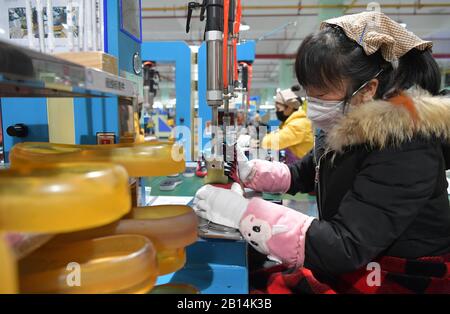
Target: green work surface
x,y
188,187
304,203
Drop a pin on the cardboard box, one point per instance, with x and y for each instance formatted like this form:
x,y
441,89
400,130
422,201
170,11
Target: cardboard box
x,y
92,59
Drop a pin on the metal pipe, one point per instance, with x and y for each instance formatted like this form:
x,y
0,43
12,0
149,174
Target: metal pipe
x,y
81,30
277,30
229,90
101,25
30,30
94,24
231,77
244,79
214,65
70,25
231,17
230,52
351,4
247,16
245,103
441,55
226,115
88,25
274,56
40,21
298,38
215,131
51,33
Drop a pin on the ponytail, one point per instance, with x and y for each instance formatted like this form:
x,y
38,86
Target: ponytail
x,y
418,68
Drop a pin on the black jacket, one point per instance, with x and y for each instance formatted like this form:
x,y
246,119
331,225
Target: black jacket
x,y
381,186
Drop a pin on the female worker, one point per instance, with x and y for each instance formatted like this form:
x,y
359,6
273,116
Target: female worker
x,y
295,132
378,167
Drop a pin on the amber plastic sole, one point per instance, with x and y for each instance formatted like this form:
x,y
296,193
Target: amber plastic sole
x,y
139,159
167,226
8,271
63,197
115,264
169,261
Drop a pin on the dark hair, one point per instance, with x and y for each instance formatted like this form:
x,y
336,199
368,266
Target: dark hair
x,y
296,88
328,58
418,68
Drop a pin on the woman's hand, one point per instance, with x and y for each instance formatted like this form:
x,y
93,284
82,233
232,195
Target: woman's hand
x,y
262,175
221,206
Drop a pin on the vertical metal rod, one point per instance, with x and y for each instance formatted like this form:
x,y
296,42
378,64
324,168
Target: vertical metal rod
x,y
70,25
244,104
30,30
101,25
88,25
94,24
40,25
215,131
81,25
226,106
51,33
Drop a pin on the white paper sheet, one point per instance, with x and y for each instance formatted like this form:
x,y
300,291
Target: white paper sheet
x,y
170,200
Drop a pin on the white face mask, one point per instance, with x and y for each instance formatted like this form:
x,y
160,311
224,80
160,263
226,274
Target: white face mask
x,y
324,113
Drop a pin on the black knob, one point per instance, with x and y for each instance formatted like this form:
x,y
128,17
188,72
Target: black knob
x,y
17,130
181,120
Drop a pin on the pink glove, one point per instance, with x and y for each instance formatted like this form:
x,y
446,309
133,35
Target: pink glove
x,y
262,175
276,230
267,176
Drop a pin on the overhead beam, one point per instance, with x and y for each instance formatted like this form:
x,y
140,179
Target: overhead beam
x,y
283,15
416,5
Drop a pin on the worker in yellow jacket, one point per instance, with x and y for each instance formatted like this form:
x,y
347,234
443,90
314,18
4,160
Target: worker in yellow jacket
x,y
295,134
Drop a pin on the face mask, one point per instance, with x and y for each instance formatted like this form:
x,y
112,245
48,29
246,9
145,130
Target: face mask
x,y
324,113
281,116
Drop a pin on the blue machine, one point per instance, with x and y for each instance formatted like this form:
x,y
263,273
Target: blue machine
x,y
90,115
245,52
214,266
180,53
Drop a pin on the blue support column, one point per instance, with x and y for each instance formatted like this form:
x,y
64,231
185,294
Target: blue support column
x,y
30,111
180,53
102,114
204,111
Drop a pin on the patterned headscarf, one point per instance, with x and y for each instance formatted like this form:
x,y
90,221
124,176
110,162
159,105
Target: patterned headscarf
x,y
375,31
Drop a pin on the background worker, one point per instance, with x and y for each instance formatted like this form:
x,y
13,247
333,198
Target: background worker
x,y
295,134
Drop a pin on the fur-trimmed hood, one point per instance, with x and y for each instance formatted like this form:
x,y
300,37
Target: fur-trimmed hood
x,y
380,123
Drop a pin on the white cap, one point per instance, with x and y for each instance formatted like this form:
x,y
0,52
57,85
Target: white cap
x,y
287,97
